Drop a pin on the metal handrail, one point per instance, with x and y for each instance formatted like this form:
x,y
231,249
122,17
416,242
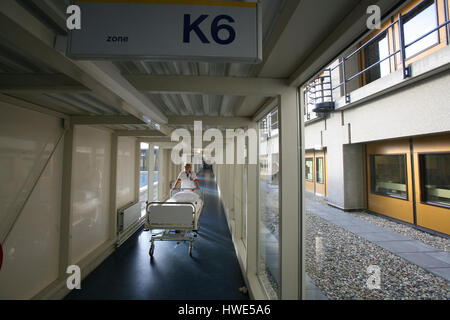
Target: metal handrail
x,y
401,51
317,89
373,65
428,33
371,40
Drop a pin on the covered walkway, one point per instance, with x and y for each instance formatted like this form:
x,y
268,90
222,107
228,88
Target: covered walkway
x,y
212,273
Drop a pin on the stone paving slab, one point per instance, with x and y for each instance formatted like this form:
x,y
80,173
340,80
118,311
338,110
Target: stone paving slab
x,y
442,272
441,255
315,295
344,222
312,291
424,260
383,236
408,246
363,228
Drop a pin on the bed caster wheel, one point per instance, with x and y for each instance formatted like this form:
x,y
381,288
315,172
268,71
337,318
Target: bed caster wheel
x,y
152,250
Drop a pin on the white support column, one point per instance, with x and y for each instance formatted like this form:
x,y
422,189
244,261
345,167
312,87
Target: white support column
x,y
137,174
226,190
302,238
237,201
164,174
231,191
65,251
160,165
290,193
113,189
252,229
151,171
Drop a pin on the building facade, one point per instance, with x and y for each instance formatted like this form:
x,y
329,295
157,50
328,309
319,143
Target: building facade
x,y
377,120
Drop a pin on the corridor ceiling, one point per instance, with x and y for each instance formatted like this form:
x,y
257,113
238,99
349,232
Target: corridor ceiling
x,y
299,37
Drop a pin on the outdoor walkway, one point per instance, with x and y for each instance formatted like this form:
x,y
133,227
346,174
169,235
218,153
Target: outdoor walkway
x,y
212,273
427,257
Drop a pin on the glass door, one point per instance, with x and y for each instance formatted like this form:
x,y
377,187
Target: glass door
x,y
269,219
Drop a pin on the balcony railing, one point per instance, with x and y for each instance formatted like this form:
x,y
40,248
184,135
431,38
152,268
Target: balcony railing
x,y
320,88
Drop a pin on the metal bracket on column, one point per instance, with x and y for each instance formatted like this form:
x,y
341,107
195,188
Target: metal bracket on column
x,y
407,72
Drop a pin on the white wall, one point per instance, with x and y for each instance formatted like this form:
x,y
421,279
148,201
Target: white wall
x,y
333,139
126,153
31,256
313,134
421,108
90,190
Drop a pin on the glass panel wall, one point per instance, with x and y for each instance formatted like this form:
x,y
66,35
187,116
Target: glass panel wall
x,y
389,175
374,52
435,178
143,176
269,220
244,199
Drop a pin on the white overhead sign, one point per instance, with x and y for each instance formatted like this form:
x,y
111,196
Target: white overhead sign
x,y
196,30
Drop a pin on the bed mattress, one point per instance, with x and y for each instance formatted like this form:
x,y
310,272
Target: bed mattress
x,y
191,197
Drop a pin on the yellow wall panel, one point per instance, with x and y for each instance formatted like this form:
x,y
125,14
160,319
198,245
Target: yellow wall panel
x,y
430,216
395,208
31,251
90,190
320,189
433,218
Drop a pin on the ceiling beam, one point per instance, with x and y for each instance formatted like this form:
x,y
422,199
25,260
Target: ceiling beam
x,y
39,83
231,122
105,120
269,105
31,106
351,27
271,41
53,12
207,85
139,133
110,76
280,25
49,102
27,34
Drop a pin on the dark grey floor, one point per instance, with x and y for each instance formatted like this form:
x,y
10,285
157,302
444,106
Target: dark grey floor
x,y
212,273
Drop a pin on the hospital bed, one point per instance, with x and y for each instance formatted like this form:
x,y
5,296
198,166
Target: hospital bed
x,y
176,219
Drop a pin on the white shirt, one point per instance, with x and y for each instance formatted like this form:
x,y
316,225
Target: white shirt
x,y
187,180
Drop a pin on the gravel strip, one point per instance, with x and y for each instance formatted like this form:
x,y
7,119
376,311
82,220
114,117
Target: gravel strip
x,y
337,262
435,241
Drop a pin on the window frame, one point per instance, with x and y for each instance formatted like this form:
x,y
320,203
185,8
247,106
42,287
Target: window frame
x,y
421,179
442,37
323,169
313,168
439,40
372,171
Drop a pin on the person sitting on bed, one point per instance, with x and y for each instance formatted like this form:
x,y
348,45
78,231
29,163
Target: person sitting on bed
x,y
187,178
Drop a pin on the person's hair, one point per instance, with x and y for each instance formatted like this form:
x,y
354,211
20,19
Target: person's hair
x,y
188,165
